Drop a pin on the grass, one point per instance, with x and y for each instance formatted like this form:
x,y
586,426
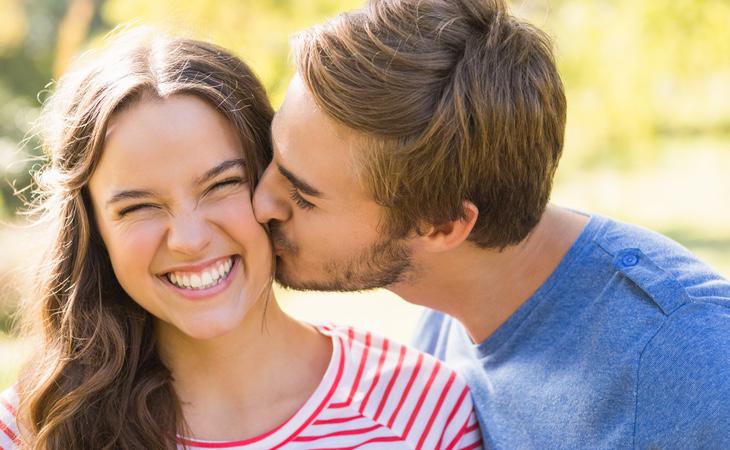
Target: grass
x,y
682,195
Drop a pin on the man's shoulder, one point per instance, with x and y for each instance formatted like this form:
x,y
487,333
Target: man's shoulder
x,y
667,273
694,337
8,424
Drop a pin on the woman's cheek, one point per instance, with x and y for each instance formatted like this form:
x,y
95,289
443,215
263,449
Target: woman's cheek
x,y
136,242
235,209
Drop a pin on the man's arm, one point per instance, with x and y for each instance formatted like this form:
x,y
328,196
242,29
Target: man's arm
x,y
683,388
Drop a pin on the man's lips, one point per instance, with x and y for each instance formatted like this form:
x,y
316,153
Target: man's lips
x,y
280,243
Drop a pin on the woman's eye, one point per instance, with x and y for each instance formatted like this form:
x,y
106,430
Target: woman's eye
x,y
134,208
226,183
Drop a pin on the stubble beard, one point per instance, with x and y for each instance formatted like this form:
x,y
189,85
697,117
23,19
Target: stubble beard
x,y
384,263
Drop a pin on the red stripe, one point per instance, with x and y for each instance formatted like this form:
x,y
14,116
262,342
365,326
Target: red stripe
x,y
407,390
9,433
369,441
8,406
472,427
453,412
378,371
319,409
337,420
436,409
386,395
338,433
476,444
333,388
421,399
459,435
360,370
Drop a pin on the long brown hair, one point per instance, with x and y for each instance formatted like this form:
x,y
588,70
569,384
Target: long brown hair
x,y
457,99
97,381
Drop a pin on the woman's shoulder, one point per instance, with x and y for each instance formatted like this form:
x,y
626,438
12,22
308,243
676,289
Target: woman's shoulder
x,y
407,391
375,355
8,424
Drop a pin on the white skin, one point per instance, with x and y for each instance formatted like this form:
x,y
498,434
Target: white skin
x,y
170,196
479,287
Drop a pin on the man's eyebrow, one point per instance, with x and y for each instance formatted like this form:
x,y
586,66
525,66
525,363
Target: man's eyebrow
x,y
299,184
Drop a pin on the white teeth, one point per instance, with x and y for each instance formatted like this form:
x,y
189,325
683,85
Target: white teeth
x,y
206,278
201,280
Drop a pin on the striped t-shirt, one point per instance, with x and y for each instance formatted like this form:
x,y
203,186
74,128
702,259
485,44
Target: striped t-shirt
x,y
375,394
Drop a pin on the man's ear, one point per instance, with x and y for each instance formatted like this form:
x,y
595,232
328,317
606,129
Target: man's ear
x,y
448,235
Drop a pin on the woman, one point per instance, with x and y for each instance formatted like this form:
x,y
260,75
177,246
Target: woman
x,y
159,325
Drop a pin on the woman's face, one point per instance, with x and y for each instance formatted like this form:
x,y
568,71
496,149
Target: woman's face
x,y
173,207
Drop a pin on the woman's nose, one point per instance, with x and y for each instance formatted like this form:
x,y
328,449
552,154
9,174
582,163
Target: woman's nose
x,y
189,234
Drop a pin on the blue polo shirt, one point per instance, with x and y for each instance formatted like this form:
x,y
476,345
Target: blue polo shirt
x,y
626,345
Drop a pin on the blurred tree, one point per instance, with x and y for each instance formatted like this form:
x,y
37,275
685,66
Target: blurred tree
x,y
258,31
638,70
27,58
634,70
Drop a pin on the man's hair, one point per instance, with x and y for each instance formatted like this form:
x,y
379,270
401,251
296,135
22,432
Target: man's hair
x,y
458,100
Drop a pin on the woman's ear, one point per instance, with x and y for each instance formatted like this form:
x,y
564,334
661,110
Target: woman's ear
x,y
449,235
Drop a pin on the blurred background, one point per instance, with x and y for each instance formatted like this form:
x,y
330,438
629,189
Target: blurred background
x,y
648,138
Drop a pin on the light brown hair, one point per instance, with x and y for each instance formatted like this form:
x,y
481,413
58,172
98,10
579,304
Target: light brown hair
x,y
458,100
97,382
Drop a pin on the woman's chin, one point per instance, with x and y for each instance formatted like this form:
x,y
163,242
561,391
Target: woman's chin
x,y
202,328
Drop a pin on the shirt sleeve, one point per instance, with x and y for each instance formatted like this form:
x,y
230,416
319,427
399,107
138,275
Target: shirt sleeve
x,y
9,435
469,437
683,388
460,431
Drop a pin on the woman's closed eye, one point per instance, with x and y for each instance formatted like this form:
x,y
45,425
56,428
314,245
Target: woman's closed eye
x,y
136,208
226,183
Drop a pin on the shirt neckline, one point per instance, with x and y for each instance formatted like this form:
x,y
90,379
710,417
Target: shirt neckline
x,y
308,412
503,333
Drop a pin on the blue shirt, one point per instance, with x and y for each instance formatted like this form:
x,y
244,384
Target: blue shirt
x,y
626,345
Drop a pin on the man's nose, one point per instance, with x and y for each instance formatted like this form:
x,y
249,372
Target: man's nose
x,y
189,234
270,201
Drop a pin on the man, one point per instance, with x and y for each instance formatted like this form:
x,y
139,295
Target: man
x,y
415,150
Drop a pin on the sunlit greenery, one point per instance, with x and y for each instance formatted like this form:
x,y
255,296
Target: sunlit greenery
x,y
648,86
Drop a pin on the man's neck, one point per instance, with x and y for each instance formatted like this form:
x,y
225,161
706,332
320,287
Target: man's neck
x,y
483,288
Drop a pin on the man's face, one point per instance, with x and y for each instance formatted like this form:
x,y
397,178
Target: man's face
x,y
324,224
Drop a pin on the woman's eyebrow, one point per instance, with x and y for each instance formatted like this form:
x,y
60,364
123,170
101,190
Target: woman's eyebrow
x,y
220,168
129,195
136,194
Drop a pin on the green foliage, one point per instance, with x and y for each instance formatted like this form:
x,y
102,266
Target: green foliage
x,y
635,71
258,31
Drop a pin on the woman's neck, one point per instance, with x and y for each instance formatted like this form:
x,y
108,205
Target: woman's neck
x,y
250,380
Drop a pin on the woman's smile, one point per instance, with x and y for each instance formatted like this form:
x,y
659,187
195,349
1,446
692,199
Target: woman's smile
x,y
204,280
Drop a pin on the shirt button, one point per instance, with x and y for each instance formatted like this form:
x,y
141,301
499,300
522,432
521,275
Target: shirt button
x,y
630,260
